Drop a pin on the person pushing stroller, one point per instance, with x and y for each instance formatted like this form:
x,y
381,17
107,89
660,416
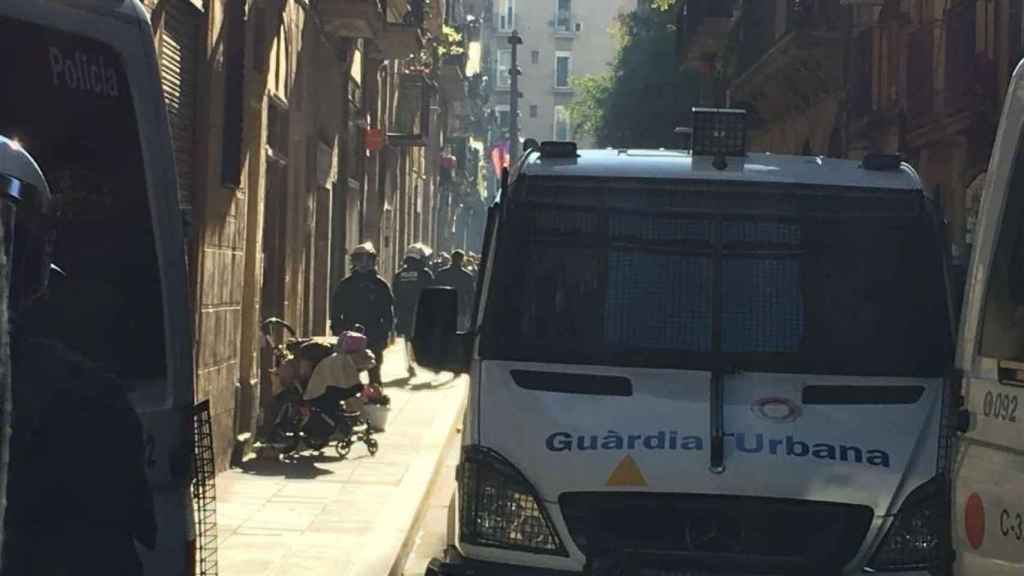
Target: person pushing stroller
x,y
336,377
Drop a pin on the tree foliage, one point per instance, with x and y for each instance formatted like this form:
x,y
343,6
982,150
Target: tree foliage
x,y
646,95
587,108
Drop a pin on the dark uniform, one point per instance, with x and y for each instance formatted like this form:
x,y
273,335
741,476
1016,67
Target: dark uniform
x,y
78,494
465,285
365,298
409,283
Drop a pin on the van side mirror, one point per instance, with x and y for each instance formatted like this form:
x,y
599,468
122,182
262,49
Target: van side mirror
x,y
436,340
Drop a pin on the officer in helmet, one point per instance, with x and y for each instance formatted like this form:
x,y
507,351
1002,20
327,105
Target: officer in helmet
x,y
68,511
365,298
410,281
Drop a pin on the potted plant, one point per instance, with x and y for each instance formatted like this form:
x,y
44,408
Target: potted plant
x,y
376,407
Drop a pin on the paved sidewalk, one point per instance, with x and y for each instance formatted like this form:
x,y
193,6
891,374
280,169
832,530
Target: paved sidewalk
x,y
326,516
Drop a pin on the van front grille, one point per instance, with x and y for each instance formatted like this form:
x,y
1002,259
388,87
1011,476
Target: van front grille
x,y
768,535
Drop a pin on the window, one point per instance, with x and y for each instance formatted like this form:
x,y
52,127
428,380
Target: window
x,y
506,15
504,65
561,123
535,57
563,69
769,280
563,16
1002,329
82,129
533,110
504,114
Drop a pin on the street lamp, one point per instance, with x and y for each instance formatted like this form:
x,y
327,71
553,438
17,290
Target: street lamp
x,y
515,40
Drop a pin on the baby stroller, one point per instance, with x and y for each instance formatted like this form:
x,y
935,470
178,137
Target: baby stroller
x,y
297,422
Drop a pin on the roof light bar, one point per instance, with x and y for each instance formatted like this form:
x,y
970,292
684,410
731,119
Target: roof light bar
x,y
719,132
558,150
882,162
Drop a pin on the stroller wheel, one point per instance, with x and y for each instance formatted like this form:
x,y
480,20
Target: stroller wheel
x,y
284,441
343,447
371,446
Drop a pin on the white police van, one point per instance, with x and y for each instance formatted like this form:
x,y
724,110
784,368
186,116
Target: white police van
x,y
82,96
989,476
702,362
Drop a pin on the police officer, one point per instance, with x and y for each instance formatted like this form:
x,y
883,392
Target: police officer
x,y
457,277
409,283
365,298
73,507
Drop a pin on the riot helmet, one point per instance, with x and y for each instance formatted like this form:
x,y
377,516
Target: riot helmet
x,y
364,257
26,216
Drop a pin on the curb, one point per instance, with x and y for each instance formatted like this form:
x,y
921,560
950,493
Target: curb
x,y
390,542
424,506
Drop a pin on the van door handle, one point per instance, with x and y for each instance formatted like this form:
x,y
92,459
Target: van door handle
x,y
963,420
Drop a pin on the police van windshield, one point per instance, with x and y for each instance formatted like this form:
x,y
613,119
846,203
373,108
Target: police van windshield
x,y
71,109
795,280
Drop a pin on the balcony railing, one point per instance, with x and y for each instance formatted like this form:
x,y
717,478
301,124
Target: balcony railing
x,y
703,28
352,18
696,11
564,23
415,13
402,33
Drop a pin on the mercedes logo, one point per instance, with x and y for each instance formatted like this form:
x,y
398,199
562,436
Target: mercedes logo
x,y
776,409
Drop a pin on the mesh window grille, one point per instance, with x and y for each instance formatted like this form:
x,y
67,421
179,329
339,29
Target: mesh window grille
x,y
204,492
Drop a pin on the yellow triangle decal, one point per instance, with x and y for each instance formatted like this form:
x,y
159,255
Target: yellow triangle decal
x,y
627,473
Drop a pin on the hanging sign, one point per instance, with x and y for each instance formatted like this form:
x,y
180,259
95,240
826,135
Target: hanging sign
x,y
374,138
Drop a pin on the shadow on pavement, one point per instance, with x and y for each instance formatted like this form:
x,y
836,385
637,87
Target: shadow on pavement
x,y
401,382
302,467
446,380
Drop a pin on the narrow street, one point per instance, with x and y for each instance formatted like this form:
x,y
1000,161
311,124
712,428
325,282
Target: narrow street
x,y
353,516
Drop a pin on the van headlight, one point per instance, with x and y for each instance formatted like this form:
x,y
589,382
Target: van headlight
x,y
500,508
917,539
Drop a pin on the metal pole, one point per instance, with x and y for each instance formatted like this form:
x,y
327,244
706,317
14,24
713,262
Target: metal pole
x,y
513,130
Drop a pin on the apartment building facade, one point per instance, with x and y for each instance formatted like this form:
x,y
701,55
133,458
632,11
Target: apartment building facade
x,y
923,78
300,129
562,39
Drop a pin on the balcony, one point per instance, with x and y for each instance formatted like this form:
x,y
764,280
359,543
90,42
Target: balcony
x,y
411,126
352,18
797,71
452,77
703,29
402,34
564,24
